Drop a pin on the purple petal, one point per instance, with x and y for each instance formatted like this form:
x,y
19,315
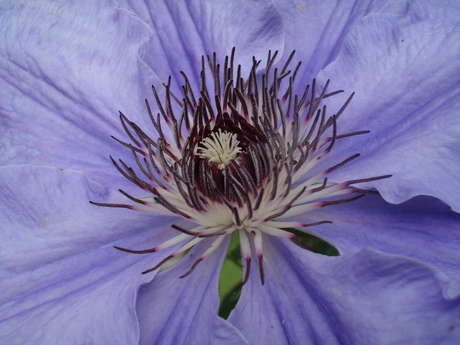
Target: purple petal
x,y
175,310
185,31
66,69
317,29
62,280
362,298
422,228
405,71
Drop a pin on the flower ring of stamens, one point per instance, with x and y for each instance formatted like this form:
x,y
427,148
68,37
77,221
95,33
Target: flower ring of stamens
x,y
237,159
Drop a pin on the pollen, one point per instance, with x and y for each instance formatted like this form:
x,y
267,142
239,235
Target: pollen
x,y
220,148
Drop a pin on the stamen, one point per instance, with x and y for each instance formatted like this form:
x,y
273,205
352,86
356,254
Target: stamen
x,y
259,251
245,252
209,251
236,155
181,250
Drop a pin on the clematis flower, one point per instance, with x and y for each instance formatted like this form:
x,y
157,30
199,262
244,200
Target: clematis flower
x,y
246,148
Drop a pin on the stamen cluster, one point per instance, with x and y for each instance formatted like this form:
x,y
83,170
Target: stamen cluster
x,y
236,157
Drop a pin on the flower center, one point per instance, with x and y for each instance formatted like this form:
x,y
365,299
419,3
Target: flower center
x,y
227,162
219,149
239,161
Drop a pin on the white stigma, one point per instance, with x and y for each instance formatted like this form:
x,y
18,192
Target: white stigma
x,y
220,149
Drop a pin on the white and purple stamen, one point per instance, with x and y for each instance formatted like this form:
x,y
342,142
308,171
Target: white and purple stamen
x,y
232,160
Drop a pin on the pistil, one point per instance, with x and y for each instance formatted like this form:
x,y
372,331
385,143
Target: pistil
x,y
219,149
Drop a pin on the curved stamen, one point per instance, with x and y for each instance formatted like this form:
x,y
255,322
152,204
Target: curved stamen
x,y
236,155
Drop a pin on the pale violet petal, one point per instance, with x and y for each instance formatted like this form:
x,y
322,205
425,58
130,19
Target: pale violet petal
x,y
317,29
405,72
66,70
185,31
422,228
363,298
174,310
62,280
